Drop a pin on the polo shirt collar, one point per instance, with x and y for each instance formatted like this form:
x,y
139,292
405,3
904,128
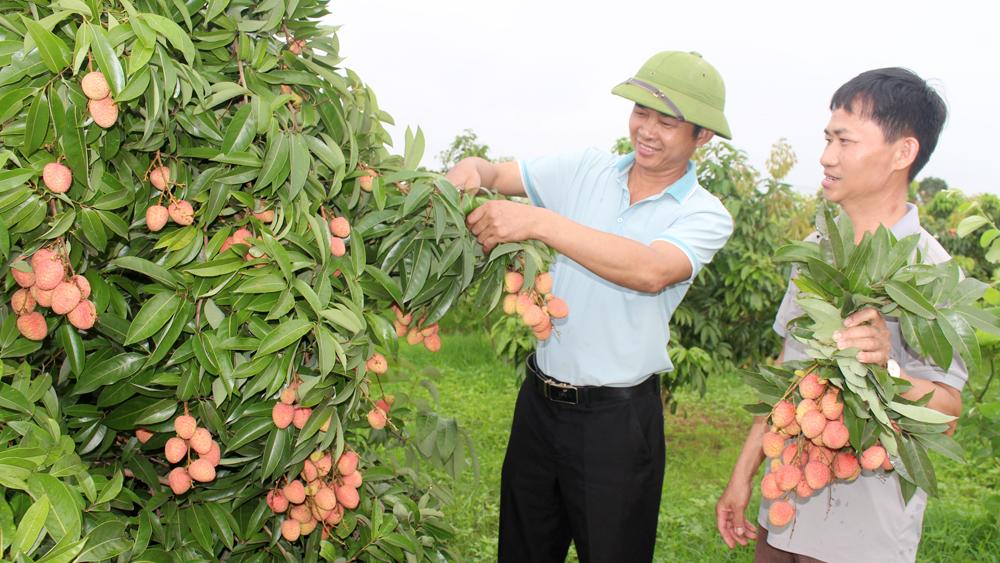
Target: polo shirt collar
x,y
909,224
679,190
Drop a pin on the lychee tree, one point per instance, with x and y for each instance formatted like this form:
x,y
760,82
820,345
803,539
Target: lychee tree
x,y
221,185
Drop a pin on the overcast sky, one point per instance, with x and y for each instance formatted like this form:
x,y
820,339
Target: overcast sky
x,y
534,77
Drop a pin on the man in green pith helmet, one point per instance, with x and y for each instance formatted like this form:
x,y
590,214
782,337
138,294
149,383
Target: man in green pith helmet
x,y
883,127
586,455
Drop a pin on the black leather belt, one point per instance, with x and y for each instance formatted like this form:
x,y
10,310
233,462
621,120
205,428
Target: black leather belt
x,y
559,392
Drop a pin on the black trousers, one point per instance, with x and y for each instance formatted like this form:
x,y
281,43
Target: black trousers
x,y
589,473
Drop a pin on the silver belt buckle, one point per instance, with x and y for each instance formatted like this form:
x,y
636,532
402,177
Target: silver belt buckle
x,y
559,392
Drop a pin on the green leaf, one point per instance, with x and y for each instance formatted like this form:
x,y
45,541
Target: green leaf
x,y
106,541
391,285
223,522
107,60
943,444
30,526
300,163
198,522
931,339
918,465
36,126
55,53
970,224
141,411
418,273
962,338
108,372
909,297
65,518
241,130
177,37
111,489
276,452
282,336
247,430
274,160
72,344
921,414
145,267
152,316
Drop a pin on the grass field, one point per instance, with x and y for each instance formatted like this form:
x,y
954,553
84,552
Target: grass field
x,y
702,441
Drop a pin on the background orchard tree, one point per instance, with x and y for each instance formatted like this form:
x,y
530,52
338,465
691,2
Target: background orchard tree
x,y
290,232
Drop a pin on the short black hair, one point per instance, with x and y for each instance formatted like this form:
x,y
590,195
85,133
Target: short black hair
x,y
901,103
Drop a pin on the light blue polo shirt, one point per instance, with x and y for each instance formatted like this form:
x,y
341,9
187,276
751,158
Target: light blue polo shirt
x,y
613,335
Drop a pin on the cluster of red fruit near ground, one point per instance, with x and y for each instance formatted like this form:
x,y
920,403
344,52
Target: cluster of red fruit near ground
x,y
537,306
190,437
45,283
102,108
321,496
809,447
428,335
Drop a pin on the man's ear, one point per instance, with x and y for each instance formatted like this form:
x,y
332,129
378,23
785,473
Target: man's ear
x,y
704,136
906,152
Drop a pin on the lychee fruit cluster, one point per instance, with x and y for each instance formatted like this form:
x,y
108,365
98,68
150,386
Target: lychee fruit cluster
x,y
537,306
809,447
190,437
320,498
102,108
428,335
378,417
44,283
340,229
287,410
178,210
296,46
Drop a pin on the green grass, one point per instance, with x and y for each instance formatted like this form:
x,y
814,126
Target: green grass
x,y
703,439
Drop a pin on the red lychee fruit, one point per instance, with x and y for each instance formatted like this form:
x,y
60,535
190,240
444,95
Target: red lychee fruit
x,y
82,284
846,467
803,490
817,475
23,274
811,386
333,517
804,406
201,441
32,326
813,423
543,283
309,471
792,429
104,112
42,297
873,457
266,216
22,302
277,501
202,470
49,269
401,329
179,480
557,308
831,405
788,476
156,217
181,212
510,304
366,180
414,337
337,247
353,479
57,177
780,513
822,455
512,282
295,492
791,456
288,396
185,425
65,297
242,236
377,418
291,530
835,435
301,417
347,496
773,444
301,513
160,177
432,343
340,227
783,414
325,498
533,315
348,462
175,449
95,86
282,414
769,487
84,315
377,363
143,435
308,526
324,465
214,455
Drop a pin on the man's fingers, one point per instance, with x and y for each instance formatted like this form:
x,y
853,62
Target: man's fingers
x,y
865,315
722,522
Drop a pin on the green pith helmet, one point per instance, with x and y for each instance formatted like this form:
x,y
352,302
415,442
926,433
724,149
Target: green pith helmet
x,y
683,85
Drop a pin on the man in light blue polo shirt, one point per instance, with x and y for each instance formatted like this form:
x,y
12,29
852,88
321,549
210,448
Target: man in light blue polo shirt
x,y
585,458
